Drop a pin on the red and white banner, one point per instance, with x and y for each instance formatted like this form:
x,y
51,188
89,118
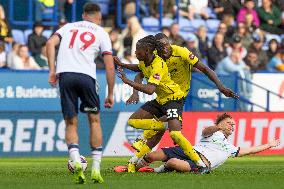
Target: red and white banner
x,y
252,128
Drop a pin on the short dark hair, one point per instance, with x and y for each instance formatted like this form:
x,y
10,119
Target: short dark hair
x,y
222,117
91,8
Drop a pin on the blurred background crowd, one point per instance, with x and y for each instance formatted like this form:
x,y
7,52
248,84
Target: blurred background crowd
x,y
242,36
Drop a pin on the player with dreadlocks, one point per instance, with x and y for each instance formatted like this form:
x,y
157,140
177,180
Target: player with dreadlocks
x,y
169,101
180,62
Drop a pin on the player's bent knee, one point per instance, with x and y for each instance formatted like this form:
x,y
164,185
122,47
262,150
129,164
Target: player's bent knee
x,y
171,163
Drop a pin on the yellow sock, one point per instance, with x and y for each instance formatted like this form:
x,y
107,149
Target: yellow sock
x,y
185,145
144,150
149,134
146,124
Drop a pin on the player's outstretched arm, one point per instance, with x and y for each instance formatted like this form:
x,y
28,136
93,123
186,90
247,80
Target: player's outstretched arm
x,y
145,88
134,98
133,67
257,149
110,76
213,77
50,51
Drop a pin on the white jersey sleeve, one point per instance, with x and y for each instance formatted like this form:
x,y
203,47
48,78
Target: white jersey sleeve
x,y
234,150
60,32
106,47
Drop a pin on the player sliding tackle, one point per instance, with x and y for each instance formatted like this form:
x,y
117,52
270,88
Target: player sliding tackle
x,y
214,149
180,62
169,101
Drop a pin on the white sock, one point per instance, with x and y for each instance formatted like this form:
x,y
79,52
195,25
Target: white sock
x,y
200,163
142,162
97,158
160,169
74,154
133,159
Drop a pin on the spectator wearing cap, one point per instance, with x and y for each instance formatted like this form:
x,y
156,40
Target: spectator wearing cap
x,y
276,64
257,46
217,52
270,17
252,61
248,8
36,40
273,47
175,37
192,45
236,45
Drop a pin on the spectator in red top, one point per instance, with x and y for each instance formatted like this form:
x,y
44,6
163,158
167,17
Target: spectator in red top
x,y
248,8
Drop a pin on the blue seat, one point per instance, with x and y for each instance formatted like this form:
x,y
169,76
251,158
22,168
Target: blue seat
x,y
196,23
104,5
211,37
185,25
167,22
26,34
18,36
47,33
150,23
212,25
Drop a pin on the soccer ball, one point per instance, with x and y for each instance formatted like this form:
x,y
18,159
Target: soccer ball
x,y
84,164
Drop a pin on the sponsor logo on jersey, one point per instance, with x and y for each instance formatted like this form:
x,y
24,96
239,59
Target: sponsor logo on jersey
x,y
191,56
157,76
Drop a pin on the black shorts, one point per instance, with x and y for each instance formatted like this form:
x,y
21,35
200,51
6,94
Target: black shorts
x,y
176,152
172,109
75,86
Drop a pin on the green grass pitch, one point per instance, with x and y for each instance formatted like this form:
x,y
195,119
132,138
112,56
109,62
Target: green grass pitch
x,y
52,173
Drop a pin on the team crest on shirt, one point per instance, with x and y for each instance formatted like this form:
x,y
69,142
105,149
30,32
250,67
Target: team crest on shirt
x,y
156,76
191,56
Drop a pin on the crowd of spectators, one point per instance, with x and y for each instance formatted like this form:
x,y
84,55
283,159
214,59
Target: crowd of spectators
x,y
239,44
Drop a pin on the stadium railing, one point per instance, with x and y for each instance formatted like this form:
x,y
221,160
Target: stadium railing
x,y
241,102
52,17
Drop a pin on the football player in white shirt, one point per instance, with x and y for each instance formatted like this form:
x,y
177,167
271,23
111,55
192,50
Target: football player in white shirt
x,y
80,43
213,148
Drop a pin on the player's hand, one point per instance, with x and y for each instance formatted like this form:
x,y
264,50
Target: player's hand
x,y
228,92
133,99
274,143
109,101
121,74
52,79
117,61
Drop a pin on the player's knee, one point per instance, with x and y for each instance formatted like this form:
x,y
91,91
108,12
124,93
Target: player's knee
x,y
171,163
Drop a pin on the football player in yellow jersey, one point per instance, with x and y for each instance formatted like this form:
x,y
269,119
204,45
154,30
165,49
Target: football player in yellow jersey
x,y
169,101
180,62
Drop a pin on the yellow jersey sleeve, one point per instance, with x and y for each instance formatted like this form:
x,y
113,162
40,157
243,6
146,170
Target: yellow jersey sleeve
x,y
187,56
